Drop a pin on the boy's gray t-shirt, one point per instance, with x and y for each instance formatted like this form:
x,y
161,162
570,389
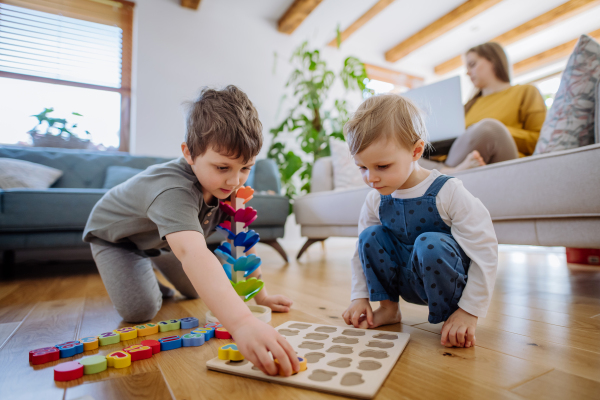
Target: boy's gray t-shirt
x,y
141,211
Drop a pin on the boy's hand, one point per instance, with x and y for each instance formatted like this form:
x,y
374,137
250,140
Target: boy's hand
x,y
459,329
276,302
255,339
356,312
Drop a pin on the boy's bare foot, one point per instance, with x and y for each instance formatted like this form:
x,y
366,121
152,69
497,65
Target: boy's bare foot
x,y
472,160
388,313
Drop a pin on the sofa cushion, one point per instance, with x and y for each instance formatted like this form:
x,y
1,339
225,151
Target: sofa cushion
x,y
116,175
570,121
46,210
345,172
334,207
25,174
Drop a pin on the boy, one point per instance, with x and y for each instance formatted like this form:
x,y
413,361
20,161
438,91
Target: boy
x,y
422,235
165,212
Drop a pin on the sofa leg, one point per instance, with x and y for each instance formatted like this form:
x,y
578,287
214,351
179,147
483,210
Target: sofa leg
x,y
307,245
275,244
8,265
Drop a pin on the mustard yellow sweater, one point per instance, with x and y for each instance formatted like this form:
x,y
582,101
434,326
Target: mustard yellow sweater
x,y
520,108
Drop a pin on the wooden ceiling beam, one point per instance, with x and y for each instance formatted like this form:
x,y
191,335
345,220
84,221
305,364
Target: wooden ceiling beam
x,y
549,56
193,4
366,17
554,16
454,18
293,17
395,77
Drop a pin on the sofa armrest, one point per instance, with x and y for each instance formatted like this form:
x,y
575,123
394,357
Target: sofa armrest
x,y
322,175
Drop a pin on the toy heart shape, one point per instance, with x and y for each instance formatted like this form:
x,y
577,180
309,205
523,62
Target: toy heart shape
x,y
247,264
224,256
224,229
230,352
227,209
225,247
225,224
246,239
245,193
248,288
231,346
246,215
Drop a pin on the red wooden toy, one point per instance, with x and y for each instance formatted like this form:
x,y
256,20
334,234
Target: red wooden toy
x,y
139,352
43,355
153,344
222,333
68,371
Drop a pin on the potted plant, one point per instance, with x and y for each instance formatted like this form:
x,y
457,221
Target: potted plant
x,y
58,132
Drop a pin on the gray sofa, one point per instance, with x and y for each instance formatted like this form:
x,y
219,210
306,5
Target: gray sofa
x,y
55,217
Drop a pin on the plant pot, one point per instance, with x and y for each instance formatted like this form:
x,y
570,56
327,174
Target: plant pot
x,y
72,142
261,312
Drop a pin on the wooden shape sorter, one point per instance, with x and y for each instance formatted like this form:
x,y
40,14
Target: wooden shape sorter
x,y
340,360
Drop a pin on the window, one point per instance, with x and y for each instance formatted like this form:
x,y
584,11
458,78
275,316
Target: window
x,y
70,56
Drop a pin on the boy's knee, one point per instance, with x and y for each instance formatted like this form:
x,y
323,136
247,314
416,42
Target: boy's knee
x,y
141,312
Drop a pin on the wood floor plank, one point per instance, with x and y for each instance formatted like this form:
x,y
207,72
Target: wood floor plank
x,y
559,385
6,330
147,386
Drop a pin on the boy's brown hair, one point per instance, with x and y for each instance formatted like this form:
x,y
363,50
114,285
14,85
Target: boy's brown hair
x,y
225,120
386,115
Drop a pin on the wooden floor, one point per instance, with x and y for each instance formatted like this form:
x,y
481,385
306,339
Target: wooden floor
x,y
540,340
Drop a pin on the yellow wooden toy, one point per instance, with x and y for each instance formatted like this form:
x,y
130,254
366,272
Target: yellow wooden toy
x,y
170,325
90,343
230,352
147,329
302,366
127,333
119,359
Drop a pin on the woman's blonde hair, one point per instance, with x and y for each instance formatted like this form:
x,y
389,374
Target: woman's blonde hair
x,y
385,115
495,54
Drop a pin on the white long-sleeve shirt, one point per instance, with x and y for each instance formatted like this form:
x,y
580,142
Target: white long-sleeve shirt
x,y
471,226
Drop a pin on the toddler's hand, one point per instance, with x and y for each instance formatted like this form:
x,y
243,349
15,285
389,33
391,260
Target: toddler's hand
x,y
255,339
358,312
459,329
276,302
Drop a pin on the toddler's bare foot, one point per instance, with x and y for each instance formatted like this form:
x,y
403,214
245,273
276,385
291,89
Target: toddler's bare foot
x,y
472,160
388,313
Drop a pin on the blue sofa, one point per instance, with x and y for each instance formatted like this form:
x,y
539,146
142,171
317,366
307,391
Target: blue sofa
x,y
56,217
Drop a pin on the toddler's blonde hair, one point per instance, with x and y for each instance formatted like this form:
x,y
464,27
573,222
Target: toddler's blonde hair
x,y
389,116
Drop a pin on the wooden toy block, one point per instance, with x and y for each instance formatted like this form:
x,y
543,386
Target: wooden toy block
x,y
213,325
43,355
153,344
119,359
245,215
139,352
208,333
246,193
69,349
68,371
107,338
222,333
170,343
303,366
94,364
189,322
192,339
127,333
170,325
230,352
90,343
147,329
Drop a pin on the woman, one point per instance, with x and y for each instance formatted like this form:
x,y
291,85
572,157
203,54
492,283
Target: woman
x,y
503,121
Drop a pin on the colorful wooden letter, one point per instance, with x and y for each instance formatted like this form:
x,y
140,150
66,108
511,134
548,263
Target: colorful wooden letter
x,y
68,349
208,333
127,333
89,342
153,344
302,366
107,338
192,339
189,322
44,355
213,325
230,352
119,359
170,343
170,325
222,333
94,364
147,329
68,371
139,352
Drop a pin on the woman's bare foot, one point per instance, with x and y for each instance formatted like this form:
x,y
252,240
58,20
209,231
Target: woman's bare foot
x,y
473,160
387,313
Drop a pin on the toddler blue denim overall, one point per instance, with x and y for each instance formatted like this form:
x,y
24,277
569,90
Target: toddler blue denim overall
x,y
413,255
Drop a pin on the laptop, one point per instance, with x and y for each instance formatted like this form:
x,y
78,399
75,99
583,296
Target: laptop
x,y
441,103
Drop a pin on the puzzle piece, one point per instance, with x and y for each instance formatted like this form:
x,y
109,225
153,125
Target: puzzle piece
x,y
189,322
146,329
222,333
109,338
193,339
119,359
43,355
246,215
303,366
170,343
208,333
127,333
230,352
69,349
248,288
90,343
246,193
139,352
153,344
93,364
68,371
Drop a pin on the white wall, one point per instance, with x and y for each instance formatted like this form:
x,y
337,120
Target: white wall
x,y
178,50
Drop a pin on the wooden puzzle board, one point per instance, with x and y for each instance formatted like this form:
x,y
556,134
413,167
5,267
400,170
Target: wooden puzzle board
x,y
345,361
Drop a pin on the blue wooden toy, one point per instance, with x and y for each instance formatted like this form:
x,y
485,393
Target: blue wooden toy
x,y
192,339
208,333
170,343
189,322
69,349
